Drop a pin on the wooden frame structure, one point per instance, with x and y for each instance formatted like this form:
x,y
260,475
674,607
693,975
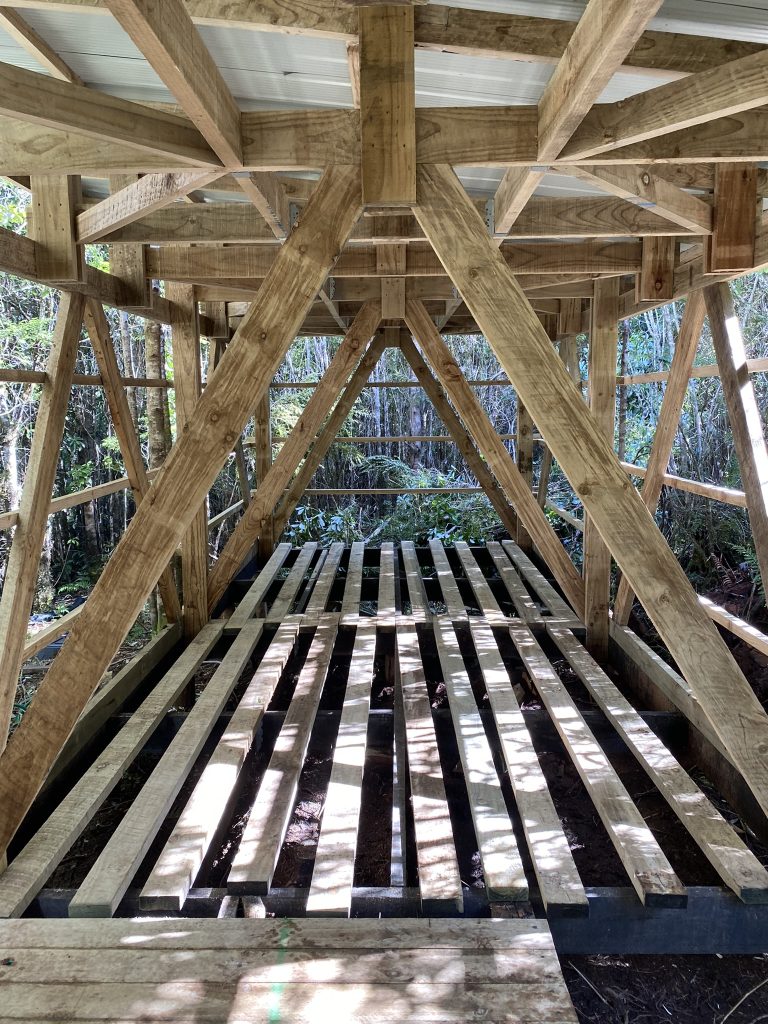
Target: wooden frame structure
x,y
354,220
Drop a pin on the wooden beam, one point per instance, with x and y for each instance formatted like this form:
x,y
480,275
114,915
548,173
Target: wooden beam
x,y
97,326
492,448
744,413
588,460
52,227
603,343
666,426
157,528
129,262
164,33
720,92
24,557
387,111
25,36
656,280
732,245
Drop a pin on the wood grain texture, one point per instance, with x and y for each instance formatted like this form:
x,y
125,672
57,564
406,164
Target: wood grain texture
x,y
732,245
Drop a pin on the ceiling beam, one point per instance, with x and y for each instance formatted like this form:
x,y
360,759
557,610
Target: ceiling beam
x,y
25,36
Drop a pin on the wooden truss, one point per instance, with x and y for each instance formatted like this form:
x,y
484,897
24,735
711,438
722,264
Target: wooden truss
x,y
680,214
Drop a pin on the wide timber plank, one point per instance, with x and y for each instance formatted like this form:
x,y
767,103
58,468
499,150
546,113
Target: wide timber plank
x,y
24,556
385,608
322,588
649,871
454,603
263,835
51,226
524,604
221,413
28,871
728,854
487,603
330,892
350,604
111,874
588,460
439,879
175,870
549,597
250,604
732,245
500,858
416,593
286,597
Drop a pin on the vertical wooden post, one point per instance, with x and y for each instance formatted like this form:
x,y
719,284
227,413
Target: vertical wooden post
x,y
24,559
129,262
262,435
524,445
185,338
656,280
53,227
603,345
732,243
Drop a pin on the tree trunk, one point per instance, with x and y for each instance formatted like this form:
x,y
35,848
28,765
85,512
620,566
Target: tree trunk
x,y
155,396
128,367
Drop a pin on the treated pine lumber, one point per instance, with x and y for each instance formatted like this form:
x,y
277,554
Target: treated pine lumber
x,y
649,871
52,227
387,111
589,462
549,597
499,856
224,515
493,450
743,630
227,402
128,262
259,849
486,601
177,866
386,609
656,280
417,595
732,245
249,606
47,101
26,546
294,449
720,92
524,604
32,866
320,592
330,892
697,372
350,605
439,879
727,495
97,326
559,883
603,344
262,431
286,597
454,602
44,636
25,36
744,414
590,217
457,432
524,459
727,853
112,872
666,427
164,33
306,593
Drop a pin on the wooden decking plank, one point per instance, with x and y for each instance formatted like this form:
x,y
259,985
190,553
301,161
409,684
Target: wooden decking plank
x,y
558,607
259,849
386,607
439,879
417,595
451,596
499,855
113,870
29,870
728,854
251,603
330,892
284,601
178,864
524,604
648,868
322,588
487,603
559,882
350,605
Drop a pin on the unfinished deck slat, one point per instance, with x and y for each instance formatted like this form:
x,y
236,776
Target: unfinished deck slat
x,y
178,864
416,592
439,879
499,855
726,852
29,870
322,588
453,600
524,604
330,892
111,874
559,884
259,849
386,607
283,603
250,604
350,605
649,870
558,608
487,603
